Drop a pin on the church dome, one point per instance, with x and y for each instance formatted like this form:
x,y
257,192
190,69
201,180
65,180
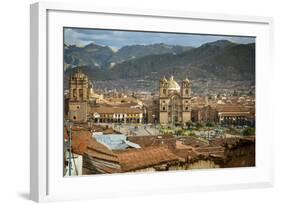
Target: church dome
x,y
173,85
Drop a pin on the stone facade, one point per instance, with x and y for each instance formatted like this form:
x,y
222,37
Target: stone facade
x,y
82,104
80,89
116,115
235,115
204,114
153,111
174,101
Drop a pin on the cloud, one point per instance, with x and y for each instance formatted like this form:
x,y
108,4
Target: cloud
x,y
117,39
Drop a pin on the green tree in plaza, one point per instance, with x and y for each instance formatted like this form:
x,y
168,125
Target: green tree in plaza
x,y
210,124
179,132
249,131
188,124
199,125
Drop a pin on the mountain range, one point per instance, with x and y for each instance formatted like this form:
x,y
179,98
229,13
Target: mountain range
x,y
104,57
219,60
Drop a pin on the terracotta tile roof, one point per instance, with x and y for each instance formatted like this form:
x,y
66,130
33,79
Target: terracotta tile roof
x,y
112,110
79,147
128,104
231,108
186,154
208,150
80,139
106,161
106,169
80,133
93,145
145,157
191,141
82,142
102,156
235,114
180,145
147,141
129,160
232,142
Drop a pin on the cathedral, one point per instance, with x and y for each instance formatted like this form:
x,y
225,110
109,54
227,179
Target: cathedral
x,y
174,101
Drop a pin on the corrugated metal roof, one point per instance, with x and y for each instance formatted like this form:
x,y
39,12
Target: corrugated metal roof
x,y
115,141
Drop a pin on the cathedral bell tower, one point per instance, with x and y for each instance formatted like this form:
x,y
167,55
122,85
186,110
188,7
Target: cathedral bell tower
x,y
163,100
79,96
186,100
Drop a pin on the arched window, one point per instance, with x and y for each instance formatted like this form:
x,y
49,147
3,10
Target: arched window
x,y
164,91
74,93
80,93
186,91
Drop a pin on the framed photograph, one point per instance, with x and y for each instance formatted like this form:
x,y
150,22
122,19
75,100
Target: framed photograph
x,y
133,102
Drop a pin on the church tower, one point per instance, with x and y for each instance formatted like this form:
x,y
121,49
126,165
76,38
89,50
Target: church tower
x,y
174,101
78,96
186,100
163,101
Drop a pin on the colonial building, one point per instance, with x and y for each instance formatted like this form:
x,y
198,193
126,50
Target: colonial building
x,y
204,114
234,115
174,101
80,96
152,110
83,105
117,114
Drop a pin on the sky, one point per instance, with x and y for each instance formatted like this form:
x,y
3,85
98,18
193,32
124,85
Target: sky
x,y
117,39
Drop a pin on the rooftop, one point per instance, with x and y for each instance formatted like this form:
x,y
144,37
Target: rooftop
x,y
113,110
231,108
154,140
146,157
115,141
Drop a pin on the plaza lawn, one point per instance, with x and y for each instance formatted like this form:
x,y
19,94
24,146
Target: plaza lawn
x,y
177,131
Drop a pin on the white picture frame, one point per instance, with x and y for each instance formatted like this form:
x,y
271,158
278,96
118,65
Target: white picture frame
x,y
46,180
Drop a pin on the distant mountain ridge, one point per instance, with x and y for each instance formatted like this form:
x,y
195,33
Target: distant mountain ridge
x,y
137,51
89,55
104,57
221,60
